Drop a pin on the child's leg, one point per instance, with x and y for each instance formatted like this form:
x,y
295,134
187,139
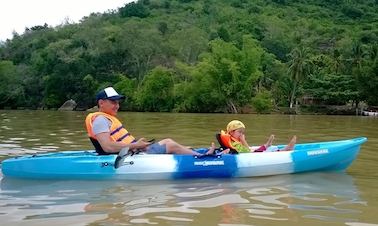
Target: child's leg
x,y
290,145
211,149
269,141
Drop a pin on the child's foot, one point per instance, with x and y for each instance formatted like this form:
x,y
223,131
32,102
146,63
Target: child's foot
x,y
226,151
211,149
290,145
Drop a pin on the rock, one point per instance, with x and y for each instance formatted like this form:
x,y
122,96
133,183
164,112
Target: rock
x,y
93,109
69,105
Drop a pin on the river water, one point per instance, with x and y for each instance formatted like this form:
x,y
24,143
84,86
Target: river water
x,y
349,198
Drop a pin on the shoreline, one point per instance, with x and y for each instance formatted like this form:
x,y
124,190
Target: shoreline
x,y
300,110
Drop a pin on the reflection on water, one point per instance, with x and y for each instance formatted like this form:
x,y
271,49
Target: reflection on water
x,y
302,199
307,198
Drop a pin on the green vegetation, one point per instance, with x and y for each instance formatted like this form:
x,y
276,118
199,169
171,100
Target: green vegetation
x,y
200,56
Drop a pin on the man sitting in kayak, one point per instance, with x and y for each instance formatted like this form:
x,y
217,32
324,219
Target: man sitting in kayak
x,y
109,136
234,139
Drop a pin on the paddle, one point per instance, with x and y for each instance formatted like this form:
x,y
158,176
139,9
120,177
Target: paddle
x,y
124,153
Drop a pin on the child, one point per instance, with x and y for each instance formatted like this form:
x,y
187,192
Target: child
x,y
234,139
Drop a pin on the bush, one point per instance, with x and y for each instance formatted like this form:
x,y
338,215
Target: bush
x,y
156,93
134,9
262,102
352,12
127,87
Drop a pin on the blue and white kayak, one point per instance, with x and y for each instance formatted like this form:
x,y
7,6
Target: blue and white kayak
x,y
321,156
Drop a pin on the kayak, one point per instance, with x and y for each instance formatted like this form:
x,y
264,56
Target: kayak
x,y
320,156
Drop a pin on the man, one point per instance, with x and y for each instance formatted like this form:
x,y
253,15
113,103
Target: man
x,y
109,136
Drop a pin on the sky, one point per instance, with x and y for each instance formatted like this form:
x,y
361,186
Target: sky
x,y
16,15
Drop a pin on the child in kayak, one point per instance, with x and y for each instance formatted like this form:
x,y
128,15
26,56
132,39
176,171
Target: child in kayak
x,y
234,140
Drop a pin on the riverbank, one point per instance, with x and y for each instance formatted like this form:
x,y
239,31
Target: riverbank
x,y
322,110
299,110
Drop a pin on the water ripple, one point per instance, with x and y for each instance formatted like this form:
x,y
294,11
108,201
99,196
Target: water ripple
x,y
305,199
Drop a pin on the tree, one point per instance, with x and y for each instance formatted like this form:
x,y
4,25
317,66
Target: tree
x,y
368,85
337,59
357,55
162,27
357,68
54,63
143,45
225,78
9,85
332,89
299,68
86,91
156,91
128,87
224,34
367,78
262,102
188,44
136,9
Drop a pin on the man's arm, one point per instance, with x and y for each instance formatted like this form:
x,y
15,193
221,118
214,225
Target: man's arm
x,y
111,146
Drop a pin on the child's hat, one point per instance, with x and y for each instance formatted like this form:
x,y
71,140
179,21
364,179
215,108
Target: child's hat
x,y
234,125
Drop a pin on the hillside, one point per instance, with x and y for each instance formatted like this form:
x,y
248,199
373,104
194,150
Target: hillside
x,y
200,56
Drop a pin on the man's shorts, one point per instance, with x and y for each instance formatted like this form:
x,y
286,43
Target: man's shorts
x,y
156,148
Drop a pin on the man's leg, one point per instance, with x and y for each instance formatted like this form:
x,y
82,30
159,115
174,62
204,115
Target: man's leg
x,y
175,148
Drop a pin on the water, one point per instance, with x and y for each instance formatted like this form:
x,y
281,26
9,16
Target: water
x,y
349,198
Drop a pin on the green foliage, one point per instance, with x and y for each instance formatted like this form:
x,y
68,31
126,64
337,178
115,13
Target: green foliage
x,y
225,78
218,55
189,44
299,68
368,83
10,90
156,93
137,9
127,87
163,27
262,102
280,1
352,12
88,87
224,34
332,88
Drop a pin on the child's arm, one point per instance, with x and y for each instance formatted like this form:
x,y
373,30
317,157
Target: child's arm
x,y
243,141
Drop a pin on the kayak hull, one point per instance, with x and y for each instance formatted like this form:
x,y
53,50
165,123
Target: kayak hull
x,y
321,156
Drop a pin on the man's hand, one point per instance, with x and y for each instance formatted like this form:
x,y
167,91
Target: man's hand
x,y
141,144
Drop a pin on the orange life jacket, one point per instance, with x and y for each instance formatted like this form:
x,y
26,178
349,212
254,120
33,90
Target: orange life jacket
x,y
227,140
117,132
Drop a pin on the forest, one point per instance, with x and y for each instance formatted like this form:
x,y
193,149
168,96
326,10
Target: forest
x,y
226,56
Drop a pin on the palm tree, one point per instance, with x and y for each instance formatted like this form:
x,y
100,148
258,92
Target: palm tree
x,y
373,53
358,55
337,64
299,65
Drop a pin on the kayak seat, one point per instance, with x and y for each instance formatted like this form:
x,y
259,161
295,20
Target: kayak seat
x,y
98,147
223,146
101,151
